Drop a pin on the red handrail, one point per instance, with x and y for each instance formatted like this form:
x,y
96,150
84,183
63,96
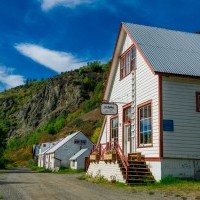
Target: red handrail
x,y
122,158
102,148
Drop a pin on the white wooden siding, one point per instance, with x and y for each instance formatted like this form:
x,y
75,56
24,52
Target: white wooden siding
x,y
155,168
121,92
104,134
107,170
127,43
65,152
60,158
179,104
147,89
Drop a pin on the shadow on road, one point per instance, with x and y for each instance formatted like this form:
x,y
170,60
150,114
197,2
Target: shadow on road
x,y
18,170
9,183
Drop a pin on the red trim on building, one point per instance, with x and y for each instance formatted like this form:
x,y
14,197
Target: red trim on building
x,y
152,159
123,108
160,115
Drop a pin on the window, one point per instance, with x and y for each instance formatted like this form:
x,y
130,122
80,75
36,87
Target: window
x,y
145,129
114,129
76,141
127,115
81,142
127,121
127,62
198,101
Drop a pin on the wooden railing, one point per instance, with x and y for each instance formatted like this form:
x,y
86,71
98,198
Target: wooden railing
x,y
122,158
101,149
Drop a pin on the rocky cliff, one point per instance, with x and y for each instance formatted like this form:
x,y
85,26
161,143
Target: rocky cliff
x,y
24,108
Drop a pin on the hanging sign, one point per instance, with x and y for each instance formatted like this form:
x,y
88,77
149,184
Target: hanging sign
x,y
109,109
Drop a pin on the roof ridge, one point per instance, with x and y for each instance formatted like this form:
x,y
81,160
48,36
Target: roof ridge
x,y
166,29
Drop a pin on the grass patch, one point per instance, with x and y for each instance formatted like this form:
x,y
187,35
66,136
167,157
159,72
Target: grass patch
x,y
32,164
1,197
96,179
66,170
41,169
171,185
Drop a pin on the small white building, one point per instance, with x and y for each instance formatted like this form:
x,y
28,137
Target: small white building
x,y
78,160
59,155
155,81
43,148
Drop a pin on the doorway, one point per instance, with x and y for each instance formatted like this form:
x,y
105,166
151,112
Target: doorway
x,y
127,139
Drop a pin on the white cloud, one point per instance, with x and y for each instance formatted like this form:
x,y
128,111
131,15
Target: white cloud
x,y
9,80
55,60
49,4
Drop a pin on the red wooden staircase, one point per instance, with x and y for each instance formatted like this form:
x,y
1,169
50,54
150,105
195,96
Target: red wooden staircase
x,y
134,168
138,171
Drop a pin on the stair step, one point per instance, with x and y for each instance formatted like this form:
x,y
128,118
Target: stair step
x,y
142,176
136,161
139,173
139,170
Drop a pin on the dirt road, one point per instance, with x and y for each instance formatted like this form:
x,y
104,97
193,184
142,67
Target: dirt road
x,y
23,184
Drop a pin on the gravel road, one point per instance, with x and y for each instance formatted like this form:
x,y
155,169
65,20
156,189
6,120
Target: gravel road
x,y
23,184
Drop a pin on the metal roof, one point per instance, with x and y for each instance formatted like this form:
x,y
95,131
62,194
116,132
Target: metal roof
x,y
168,51
62,142
74,157
42,153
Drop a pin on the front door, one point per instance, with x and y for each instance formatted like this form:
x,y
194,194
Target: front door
x,y
127,139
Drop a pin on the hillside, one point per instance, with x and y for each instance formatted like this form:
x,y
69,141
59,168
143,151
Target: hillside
x,y
48,109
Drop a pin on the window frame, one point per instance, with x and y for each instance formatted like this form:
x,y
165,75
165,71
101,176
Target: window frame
x,y
197,101
127,62
139,144
114,139
127,120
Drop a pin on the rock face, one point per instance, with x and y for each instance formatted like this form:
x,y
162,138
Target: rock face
x,y
59,95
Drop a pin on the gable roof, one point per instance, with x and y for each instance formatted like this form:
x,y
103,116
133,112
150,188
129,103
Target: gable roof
x,y
42,153
168,51
62,142
74,157
165,51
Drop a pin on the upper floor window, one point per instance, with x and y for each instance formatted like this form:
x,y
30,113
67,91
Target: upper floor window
x,y
114,129
127,62
81,142
198,101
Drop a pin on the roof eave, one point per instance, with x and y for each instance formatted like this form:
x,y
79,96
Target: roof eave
x,y
176,75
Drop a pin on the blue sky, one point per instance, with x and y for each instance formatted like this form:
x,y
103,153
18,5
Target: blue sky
x,y
42,38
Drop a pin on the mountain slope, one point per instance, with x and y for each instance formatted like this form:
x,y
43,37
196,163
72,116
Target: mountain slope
x,y
26,107
48,109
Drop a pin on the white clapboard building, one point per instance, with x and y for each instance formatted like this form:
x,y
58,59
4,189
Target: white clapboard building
x,y
155,81
59,155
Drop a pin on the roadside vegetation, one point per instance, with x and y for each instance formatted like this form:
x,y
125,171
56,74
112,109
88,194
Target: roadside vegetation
x,y
67,170
32,164
182,188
